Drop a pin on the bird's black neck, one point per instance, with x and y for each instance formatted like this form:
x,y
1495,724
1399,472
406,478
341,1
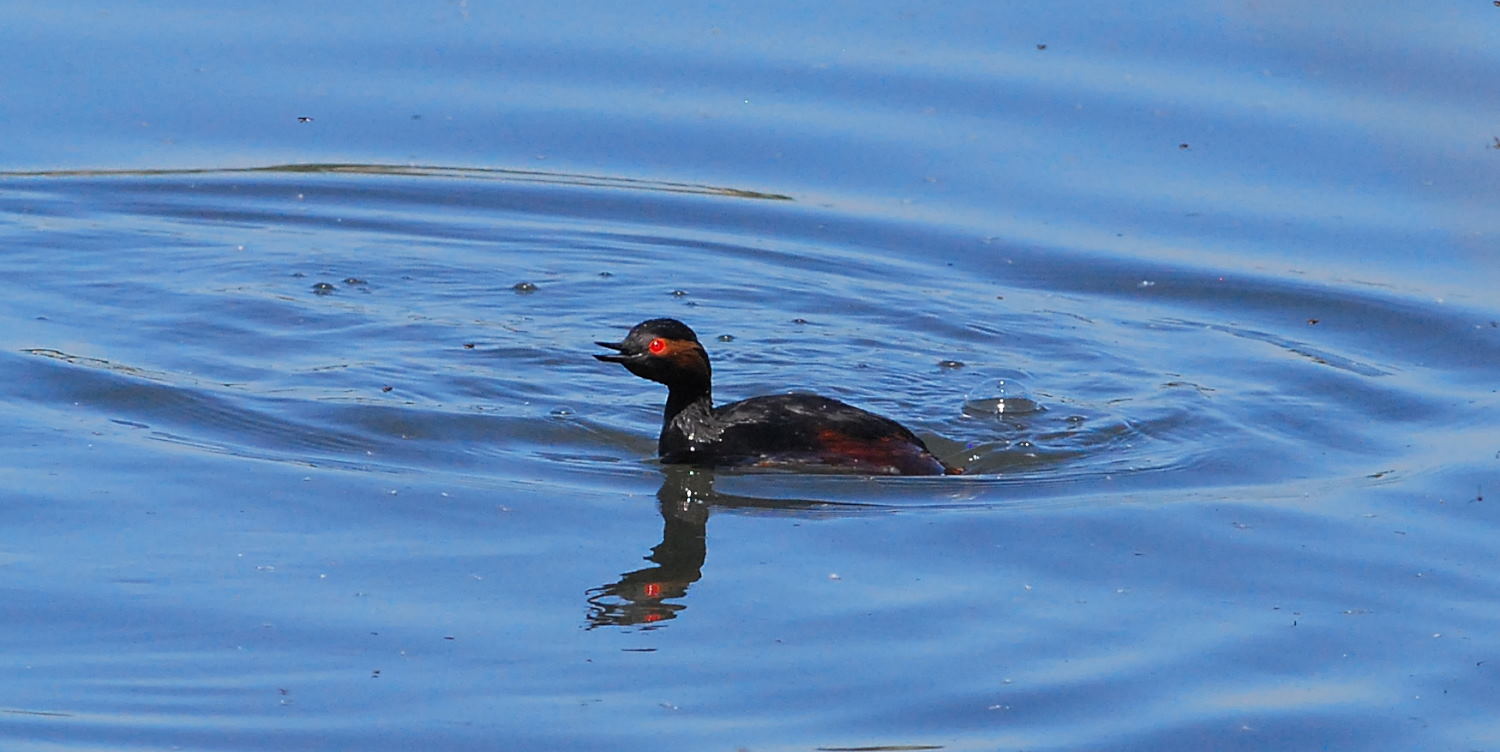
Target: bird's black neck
x,y
688,420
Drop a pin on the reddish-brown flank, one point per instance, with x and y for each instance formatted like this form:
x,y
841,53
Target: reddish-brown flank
x,y
884,452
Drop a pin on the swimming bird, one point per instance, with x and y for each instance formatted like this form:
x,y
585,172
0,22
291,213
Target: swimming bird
x,y
784,431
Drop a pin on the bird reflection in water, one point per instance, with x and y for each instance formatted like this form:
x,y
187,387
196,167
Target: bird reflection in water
x,y
644,598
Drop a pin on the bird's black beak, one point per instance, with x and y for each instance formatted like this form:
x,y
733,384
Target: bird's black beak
x,y
619,346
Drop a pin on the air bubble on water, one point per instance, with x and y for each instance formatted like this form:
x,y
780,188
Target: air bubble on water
x,y
989,407
1000,398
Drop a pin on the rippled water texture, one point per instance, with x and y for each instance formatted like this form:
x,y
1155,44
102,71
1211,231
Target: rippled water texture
x,y
307,450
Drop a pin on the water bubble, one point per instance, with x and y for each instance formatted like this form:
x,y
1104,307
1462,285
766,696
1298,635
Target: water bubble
x,y
990,407
323,288
951,364
524,287
725,338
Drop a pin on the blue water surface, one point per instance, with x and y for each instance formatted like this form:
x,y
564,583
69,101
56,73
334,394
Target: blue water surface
x,y
307,451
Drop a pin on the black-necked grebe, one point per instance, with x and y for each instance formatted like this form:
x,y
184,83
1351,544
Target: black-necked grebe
x,y
779,431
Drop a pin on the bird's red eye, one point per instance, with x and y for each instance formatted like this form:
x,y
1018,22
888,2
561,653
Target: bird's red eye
x,y
657,346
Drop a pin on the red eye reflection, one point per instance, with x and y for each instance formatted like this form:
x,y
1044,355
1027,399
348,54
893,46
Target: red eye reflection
x,y
657,346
